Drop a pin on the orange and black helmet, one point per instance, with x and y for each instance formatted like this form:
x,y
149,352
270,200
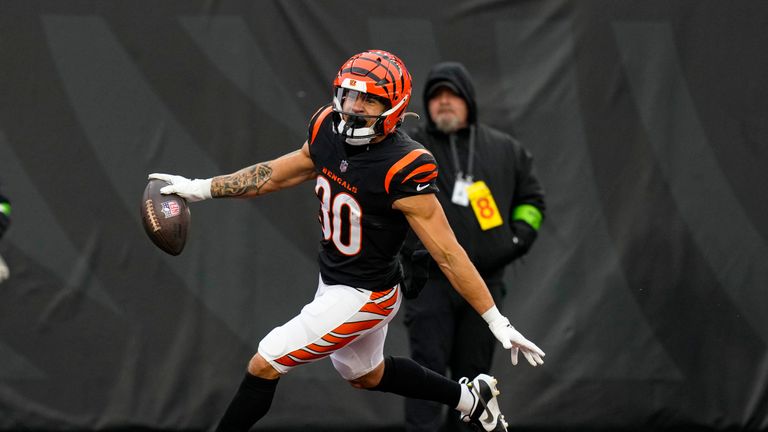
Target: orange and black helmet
x,y
379,74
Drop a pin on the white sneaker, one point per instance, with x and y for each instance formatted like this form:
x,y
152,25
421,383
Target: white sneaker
x,y
485,412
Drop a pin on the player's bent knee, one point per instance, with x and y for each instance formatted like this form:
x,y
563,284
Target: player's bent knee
x,y
364,382
259,367
369,380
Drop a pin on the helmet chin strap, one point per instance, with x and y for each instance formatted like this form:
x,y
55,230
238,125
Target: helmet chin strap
x,y
348,130
358,141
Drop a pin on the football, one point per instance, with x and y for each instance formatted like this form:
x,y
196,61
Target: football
x,y
165,218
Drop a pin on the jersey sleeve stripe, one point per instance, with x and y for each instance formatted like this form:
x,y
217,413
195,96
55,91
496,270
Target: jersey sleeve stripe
x,y
317,120
427,178
402,163
420,170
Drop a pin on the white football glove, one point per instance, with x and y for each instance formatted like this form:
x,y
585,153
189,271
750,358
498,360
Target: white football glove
x,y
4,272
512,339
190,190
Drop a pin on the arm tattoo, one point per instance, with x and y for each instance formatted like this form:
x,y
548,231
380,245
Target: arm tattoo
x,y
250,179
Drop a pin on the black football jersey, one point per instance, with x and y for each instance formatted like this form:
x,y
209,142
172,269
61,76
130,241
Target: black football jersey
x,y
361,232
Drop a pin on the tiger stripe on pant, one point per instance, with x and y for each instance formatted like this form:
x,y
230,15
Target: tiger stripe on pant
x,y
348,324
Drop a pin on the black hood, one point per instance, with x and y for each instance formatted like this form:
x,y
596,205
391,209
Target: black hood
x,y
456,74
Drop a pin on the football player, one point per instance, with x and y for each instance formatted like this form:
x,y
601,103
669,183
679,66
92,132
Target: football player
x,y
373,183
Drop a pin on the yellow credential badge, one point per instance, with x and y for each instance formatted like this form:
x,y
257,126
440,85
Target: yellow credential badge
x,y
484,205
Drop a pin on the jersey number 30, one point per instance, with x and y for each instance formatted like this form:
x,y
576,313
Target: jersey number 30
x,y
331,218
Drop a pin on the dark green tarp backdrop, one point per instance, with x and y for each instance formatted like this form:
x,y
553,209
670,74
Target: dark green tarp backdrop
x,y
647,287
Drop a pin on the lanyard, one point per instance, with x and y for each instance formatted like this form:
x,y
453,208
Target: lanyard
x,y
470,155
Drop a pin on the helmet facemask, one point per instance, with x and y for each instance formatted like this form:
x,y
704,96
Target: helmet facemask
x,y
357,128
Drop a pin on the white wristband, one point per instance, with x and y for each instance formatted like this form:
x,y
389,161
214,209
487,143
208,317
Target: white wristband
x,y
492,315
205,188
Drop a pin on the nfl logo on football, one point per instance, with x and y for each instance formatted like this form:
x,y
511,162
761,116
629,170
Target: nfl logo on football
x,y
171,209
343,166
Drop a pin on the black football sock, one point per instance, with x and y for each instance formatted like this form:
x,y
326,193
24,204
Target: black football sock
x,y
405,377
251,402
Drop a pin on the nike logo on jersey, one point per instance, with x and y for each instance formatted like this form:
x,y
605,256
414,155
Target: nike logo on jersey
x,y
421,187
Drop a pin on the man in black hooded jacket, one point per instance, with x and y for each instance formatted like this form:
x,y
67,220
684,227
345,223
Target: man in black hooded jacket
x,y
495,204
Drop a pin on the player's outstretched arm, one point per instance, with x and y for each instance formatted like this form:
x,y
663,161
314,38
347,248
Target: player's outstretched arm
x,y
259,179
427,219
265,177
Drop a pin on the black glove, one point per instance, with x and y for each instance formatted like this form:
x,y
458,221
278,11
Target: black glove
x,y
5,212
415,272
524,236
